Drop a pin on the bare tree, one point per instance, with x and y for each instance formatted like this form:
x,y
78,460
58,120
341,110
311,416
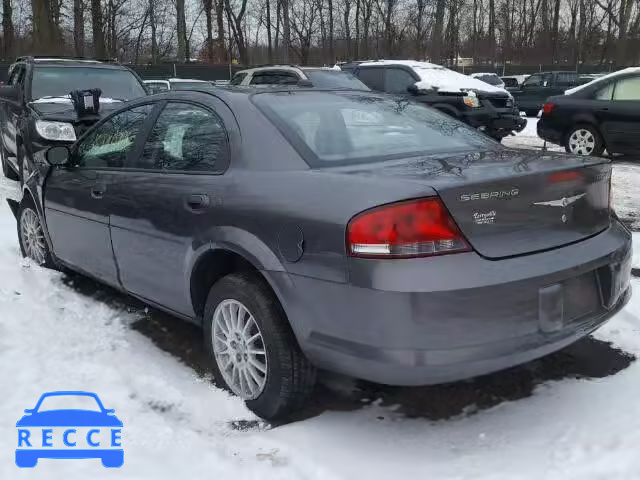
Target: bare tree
x,y
97,28
8,32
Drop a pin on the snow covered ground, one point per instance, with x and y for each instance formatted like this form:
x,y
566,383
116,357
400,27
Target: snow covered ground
x,y
573,415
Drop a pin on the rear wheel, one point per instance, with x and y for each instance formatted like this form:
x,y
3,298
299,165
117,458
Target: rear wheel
x,y
584,140
253,350
33,244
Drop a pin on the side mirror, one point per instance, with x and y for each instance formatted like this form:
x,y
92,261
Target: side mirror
x,y
58,155
412,89
9,92
28,410
109,411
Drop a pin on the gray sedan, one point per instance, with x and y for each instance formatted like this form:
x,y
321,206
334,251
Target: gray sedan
x,y
341,230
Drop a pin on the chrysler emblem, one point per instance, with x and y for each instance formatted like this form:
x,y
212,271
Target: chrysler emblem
x,y
562,202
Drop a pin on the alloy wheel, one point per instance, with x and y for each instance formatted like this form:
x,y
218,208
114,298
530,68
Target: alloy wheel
x,y
32,236
239,349
582,142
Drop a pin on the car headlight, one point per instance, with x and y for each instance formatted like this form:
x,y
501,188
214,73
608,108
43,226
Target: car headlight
x,y
471,100
56,130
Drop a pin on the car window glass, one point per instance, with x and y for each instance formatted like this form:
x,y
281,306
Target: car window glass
x,y
186,138
156,87
606,92
565,79
397,80
110,143
237,78
538,80
627,89
69,402
372,78
273,78
17,75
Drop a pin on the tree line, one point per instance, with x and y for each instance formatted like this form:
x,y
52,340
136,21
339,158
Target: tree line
x,y
563,32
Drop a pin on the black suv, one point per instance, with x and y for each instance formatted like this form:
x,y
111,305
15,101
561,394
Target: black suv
x,y
476,103
38,108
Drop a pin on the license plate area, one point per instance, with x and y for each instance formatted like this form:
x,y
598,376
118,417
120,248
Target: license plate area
x,y
569,301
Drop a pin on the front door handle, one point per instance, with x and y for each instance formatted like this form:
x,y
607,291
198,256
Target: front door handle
x,y
197,201
97,191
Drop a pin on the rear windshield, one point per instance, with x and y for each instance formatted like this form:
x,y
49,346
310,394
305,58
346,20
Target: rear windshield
x,y
59,81
490,79
342,128
334,79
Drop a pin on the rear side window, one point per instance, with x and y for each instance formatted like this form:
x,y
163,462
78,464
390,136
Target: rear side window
x,y
188,138
342,128
510,82
156,87
274,78
372,78
110,143
238,78
334,79
566,79
398,80
627,89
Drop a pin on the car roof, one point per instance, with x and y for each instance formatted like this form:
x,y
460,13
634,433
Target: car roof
x,y
291,68
405,63
74,63
478,74
178,80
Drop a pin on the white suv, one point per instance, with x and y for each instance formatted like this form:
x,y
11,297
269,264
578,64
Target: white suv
x,y
320,77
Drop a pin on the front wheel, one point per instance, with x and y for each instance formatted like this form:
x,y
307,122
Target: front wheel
x,y
253,350
33,244
584,140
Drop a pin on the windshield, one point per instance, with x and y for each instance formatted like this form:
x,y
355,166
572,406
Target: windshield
x,y
334,79
342,128
69,402
59,81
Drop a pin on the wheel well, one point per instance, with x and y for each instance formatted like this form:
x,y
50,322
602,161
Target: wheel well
x,y
210,268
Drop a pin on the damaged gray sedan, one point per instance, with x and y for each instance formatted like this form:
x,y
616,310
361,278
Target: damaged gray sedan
x,y
341,230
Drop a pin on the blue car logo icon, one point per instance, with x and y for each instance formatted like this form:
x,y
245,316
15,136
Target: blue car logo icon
x,y
93,432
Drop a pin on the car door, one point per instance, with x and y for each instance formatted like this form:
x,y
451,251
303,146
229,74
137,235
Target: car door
x,y
619,115
535,90
76,198
168,200
13,109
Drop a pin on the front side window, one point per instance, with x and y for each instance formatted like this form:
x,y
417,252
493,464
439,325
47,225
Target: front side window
x,y
238,78
110,143
398,80
627,89
57,81
342,128
565,79
157,87
186,138
372,78
538,80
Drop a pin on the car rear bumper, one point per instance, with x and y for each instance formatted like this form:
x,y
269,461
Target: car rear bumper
x,y
548,132
435,320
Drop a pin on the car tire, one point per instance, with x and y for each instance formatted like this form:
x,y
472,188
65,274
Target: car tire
x,y
7,170
273,388
33,243
586,139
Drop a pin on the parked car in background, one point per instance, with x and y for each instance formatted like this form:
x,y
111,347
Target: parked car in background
x,y
490,78
345,230
539,86
36,109
476,103
319,77
513,82
602,114
160,86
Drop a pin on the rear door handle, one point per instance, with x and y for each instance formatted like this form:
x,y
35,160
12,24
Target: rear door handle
x,y
197,201
97,191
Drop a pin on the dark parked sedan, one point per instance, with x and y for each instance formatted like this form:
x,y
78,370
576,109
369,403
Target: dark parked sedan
x,y
603,114
343,230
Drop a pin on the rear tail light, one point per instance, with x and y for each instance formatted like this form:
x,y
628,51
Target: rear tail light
x,y
416,228
547,108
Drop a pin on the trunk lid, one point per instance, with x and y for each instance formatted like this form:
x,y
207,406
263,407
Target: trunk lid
x,y
513,202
